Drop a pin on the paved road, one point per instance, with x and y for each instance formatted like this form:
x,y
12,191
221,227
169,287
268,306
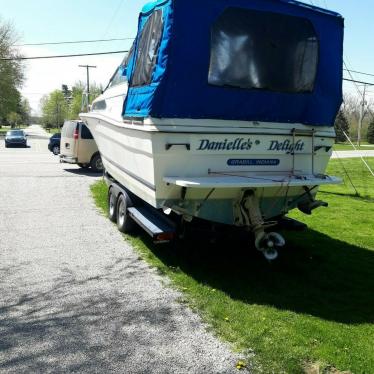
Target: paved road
x,y
353,154
73,296
37,131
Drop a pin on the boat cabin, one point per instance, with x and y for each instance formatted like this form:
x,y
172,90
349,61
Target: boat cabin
x,y
276,61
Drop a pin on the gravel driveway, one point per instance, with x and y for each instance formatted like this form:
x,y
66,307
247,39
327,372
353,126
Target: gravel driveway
x,y
74,297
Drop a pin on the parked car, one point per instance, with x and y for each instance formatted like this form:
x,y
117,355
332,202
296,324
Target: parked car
x,y
54,144
79,147
15,138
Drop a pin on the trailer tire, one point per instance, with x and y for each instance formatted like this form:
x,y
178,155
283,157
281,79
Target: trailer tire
x,y
112,206
125,223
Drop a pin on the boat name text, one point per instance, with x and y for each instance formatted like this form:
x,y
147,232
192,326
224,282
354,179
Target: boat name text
x,y
239,144
287,146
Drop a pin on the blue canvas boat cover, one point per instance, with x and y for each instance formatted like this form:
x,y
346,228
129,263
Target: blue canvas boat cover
x,y
250,60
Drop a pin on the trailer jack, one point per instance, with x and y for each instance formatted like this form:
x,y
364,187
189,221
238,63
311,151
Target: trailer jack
x,y
266,242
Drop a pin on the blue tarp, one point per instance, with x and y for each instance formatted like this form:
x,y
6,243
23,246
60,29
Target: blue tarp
x,y
180,87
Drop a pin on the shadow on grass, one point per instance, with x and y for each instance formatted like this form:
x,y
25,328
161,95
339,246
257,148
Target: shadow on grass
x,y
315,274
361,197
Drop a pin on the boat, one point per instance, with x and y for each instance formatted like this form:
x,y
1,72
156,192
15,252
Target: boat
x,y
223,110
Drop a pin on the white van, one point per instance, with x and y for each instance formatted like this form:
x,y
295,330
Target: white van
x,y
79,147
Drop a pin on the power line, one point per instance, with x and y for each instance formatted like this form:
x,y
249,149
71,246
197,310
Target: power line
x,y
72,42
359,72
355,81
61,56
352,78
115,14
122,39
362,96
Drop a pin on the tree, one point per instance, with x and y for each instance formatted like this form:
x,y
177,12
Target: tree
x,y
76,102
14,119
341,127
77,94
25,111
65,104
95,91
11,72
352,111
67,93
54,109
44,120
370,135
351,107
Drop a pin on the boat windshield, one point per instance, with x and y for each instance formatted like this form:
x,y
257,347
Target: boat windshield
x,y
265,51
120,75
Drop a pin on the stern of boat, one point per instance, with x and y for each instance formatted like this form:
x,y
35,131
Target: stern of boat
x,y
218,177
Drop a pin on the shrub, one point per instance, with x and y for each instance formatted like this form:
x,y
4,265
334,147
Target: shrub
x,y
341,126
370,134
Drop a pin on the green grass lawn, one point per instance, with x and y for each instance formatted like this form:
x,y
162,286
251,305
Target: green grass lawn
x,y
312,308
53,130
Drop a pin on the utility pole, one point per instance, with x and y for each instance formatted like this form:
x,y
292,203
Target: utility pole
x,y
88,67
362,114
57,113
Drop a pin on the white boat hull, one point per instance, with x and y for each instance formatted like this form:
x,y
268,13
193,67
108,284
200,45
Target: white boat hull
x,y
203,171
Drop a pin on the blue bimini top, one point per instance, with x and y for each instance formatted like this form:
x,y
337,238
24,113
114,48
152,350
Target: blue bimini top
x,y
250,60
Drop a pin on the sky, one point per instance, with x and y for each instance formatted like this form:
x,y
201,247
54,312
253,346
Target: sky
x,y
38,21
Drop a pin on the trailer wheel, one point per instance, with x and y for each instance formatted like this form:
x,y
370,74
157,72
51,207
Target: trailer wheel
x,y
112,206
125,223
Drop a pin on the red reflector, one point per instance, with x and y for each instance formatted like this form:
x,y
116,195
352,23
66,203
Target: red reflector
x,y
165,237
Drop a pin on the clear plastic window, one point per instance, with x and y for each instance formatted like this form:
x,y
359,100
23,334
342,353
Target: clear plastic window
x,y
147,52
261,50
